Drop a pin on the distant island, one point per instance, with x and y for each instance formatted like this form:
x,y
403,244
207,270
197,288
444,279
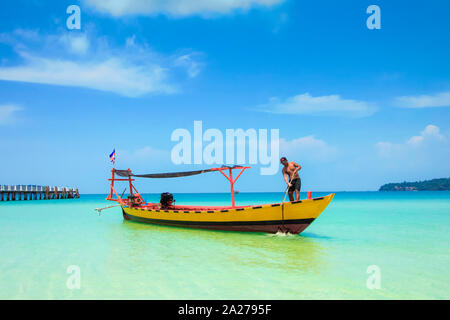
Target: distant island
x,y
427,185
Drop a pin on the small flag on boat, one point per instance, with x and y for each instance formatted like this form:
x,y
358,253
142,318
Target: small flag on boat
x,y
112,156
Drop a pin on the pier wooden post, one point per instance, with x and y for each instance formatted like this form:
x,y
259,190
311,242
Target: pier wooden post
x,y
19,193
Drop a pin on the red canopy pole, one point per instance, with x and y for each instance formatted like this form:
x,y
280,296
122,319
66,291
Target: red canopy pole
x,y
242,170
230,178
112,186
232,187
131,184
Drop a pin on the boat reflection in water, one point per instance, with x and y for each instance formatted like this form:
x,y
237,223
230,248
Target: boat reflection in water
x,y
214,250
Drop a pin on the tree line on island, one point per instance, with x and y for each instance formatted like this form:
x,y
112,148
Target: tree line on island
x,y
427,185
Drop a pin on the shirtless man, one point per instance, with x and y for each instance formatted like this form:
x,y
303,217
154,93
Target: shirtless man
x,y
290,171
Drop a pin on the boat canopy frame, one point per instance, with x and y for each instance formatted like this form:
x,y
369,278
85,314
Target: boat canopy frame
x,y
135,197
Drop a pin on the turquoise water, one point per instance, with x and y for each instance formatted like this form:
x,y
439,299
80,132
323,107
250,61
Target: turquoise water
x,y
405,234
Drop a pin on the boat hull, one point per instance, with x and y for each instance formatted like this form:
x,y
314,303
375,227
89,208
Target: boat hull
x,y
292,226
292,217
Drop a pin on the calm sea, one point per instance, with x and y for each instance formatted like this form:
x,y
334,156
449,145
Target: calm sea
x,y
405,234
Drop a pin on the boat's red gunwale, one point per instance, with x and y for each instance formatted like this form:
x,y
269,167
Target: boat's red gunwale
x,y
209,209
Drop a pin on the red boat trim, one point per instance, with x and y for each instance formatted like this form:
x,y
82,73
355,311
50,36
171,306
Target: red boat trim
x,y
213,209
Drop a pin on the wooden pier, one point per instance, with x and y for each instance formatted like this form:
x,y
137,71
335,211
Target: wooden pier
x,y
33,192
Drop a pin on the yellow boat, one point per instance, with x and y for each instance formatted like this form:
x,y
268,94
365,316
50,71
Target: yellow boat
x,y
293,217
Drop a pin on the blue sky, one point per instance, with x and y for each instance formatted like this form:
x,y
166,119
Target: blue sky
x,y
357,108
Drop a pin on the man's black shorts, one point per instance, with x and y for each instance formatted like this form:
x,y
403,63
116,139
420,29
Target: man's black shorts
x,y
296,184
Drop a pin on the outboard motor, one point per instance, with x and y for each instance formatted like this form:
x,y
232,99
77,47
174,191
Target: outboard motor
x,y
166,200
132,201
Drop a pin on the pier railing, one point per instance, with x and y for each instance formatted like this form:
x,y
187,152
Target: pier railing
x,y
35,192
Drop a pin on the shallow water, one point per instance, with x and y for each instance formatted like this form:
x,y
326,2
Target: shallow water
x,y
405,234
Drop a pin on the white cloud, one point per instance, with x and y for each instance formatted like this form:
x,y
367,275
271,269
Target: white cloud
x,y
27,34
76,44
85,61
178,8
192,66
7,113
429,138
307,147
424,101
431,132
422,156
332,105
113,75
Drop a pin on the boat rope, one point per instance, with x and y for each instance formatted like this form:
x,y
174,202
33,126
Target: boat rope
x,y
99,210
